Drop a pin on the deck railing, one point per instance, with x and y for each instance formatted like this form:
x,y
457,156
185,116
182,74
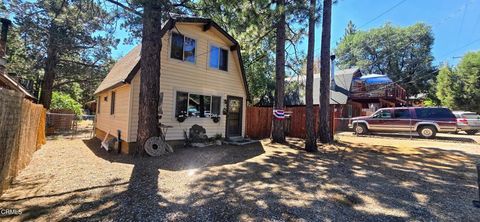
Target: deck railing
x,y
391,91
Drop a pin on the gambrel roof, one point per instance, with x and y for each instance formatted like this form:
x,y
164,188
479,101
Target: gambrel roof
x,y
128,66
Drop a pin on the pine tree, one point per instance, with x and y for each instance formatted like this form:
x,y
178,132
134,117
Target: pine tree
x,y
278,133
59,35
325,134
311,138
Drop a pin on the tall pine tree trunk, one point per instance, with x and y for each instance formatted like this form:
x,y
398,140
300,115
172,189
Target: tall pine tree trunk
x,y
49,69
150,73
278,133
324,130
311,139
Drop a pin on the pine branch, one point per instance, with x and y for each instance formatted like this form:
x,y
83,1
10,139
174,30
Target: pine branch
x,y
125,7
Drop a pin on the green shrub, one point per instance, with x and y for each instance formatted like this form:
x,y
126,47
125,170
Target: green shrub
x,y
64,101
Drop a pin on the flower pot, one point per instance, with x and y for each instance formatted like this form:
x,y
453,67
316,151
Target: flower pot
x,y
181,119
216,119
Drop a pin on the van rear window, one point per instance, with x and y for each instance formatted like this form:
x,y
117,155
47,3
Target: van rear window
x,y
471,116
427,113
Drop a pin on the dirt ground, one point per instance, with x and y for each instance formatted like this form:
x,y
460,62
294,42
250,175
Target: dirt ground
x,y
358,179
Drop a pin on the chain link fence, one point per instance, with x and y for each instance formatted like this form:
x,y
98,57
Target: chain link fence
x,y
70,125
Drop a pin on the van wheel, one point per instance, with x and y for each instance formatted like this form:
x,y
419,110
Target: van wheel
x,y
360,129
427,132
471,132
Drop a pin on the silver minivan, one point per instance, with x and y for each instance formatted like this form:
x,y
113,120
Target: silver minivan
x,y
468,122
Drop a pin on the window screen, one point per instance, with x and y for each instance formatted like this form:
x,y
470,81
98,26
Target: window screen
x,y
218,58
223,60
216,101
176,51
189,50
214,57
181,104
199,105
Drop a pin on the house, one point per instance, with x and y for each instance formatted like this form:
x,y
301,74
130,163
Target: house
x,y
339,95
202,82
354,94
8,82
362,94
373,91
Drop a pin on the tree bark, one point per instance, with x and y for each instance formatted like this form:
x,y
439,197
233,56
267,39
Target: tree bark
x,y
278,133
49,69
150,73
325,134
311,139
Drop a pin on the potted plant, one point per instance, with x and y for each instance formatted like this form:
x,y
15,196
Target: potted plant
x,y
182,116
215,118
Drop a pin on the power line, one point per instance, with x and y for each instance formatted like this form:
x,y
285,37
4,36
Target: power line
x,y
383,13
463,19
461,47
378,16
476,22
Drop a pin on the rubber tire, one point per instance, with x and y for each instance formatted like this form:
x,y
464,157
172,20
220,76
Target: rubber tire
x,y
471,132
432,128
364,129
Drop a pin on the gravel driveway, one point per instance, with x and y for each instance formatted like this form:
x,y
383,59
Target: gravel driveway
x,y
361,179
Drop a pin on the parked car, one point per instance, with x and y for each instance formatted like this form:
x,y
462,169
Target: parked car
x,y
426,121
468,122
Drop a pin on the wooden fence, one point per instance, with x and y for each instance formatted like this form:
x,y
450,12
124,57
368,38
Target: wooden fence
x,y
22,132
259,121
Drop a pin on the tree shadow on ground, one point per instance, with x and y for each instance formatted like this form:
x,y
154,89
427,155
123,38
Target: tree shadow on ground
x,y
266,181
184,158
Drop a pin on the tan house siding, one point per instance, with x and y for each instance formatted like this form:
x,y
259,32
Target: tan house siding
x,y
199,78
119,120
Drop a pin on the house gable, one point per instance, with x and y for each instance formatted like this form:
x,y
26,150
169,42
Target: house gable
x,y
193,78
127,67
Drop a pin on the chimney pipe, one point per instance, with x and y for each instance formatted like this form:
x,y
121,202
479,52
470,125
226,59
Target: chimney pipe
x,y
3,43
332,72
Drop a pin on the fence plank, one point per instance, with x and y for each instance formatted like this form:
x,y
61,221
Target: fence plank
x,y
259,121
21,126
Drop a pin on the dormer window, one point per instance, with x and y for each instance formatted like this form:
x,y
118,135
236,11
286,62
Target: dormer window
x,y
218,58
182,48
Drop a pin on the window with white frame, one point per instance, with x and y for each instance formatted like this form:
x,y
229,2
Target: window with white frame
x,y
218,58
196,105
183,48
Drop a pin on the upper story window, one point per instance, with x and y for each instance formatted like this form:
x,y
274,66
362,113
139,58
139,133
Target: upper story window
x,y
218,58
183,48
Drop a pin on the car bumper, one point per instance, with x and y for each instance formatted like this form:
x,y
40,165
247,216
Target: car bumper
x,y
466,127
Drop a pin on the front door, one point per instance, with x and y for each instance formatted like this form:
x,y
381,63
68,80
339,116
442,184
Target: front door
x,y
234,116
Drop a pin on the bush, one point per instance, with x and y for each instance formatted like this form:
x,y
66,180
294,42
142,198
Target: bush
x,y
64,101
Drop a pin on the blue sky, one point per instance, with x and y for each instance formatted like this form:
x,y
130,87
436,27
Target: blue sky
x,y
455,23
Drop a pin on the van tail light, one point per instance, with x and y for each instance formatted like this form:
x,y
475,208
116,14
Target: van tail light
x,y
462,121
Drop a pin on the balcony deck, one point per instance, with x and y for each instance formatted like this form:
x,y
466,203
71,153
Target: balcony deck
x,y
390,92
